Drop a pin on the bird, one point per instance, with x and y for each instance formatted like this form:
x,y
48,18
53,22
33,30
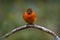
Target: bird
x,y
29,16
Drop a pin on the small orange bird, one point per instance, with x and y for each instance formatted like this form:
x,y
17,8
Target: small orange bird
x,y
29,16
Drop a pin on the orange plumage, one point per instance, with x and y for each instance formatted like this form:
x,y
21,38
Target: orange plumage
x,y
29,16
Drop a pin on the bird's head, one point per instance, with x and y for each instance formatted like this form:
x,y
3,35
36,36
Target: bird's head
x,y
29,11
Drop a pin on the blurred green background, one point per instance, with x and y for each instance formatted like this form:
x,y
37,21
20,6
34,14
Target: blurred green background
x,y
47,12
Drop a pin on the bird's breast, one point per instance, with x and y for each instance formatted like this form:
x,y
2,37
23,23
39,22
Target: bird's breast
x,y
29,18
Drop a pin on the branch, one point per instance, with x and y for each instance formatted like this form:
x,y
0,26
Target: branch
x,y
29,26
13,31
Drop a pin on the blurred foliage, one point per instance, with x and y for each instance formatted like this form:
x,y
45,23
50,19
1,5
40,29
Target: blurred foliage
x,y
47,12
